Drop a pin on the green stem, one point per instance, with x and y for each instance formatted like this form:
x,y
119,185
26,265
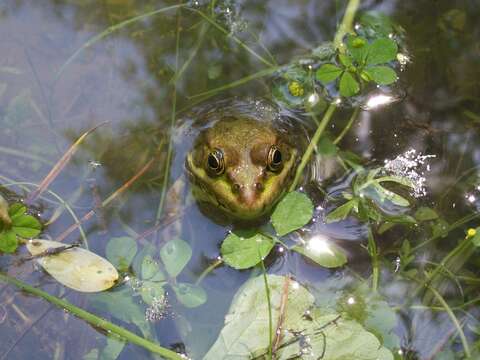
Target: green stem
x,y
313,144
372,250
347,127
454,319
208,270
346,25
93,319
166,172
270,320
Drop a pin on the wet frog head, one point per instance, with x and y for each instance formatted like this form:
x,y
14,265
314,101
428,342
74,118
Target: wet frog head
x,y
242,165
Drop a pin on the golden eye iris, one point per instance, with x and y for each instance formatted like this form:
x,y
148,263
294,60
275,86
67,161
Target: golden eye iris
x,y
274,159
215,162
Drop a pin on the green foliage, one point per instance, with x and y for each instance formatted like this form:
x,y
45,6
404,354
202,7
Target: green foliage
x,y
325,254
16,224
368,197
246,248
292,212
190,295
120,251
175,255
331,335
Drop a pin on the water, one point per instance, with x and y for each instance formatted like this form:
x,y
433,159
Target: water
x,y
50,95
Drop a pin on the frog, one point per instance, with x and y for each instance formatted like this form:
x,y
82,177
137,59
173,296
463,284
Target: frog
x,y
241,157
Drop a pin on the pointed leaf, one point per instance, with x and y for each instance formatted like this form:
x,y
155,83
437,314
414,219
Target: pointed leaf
x,y
323,252
327,73
341,212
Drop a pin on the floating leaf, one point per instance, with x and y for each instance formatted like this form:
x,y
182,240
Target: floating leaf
x,y
175,255
26,226
327,73
292,212
348,85
75,268
341,212
151,291
323,252
246,330
382,75
381,51
190,295
243,249
120,251
16,210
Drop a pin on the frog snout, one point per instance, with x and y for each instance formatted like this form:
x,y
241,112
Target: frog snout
x,y
247,193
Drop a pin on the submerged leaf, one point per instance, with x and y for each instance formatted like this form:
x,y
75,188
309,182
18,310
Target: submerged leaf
x,y
175,255
426,214
190,295
8,241
341,212
292,212
76,268
120,251
330,336
246,248
26,226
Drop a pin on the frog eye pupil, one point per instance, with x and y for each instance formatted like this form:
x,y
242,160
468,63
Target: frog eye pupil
x,y
275,158
215,162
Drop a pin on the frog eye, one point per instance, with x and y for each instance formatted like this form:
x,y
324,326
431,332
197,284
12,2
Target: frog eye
x,y
215,162
274,159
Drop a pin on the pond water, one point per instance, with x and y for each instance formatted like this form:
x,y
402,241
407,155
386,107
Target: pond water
x,y
66,66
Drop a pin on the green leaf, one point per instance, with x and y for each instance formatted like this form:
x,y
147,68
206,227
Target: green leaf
x,y
151,270
243,249
382,75
384,194
4,215
341,212
120,251
326,147
26,226
358,48
292,212
476,238
348,85
425,214
16,210
245,334
323,252
151,291
345,60
328,73
381,51
175,255
190,295
8,241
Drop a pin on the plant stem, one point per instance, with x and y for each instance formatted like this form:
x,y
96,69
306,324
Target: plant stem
x,y
270,321
93,319
313,144
454,319
372,250
208,270
347,127
346,25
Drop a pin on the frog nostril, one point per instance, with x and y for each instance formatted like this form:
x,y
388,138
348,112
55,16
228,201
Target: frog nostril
x,y
236,188
259,186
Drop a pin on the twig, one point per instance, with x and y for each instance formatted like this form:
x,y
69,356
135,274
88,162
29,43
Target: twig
x,y
281,316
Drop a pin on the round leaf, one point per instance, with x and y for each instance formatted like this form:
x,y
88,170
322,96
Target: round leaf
x,y
175,254
382,75
16,210
150,270
151,291
323,252
292,212
327,73
382,51
246,248
358,48
76,268
190,295
348,85
120,251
